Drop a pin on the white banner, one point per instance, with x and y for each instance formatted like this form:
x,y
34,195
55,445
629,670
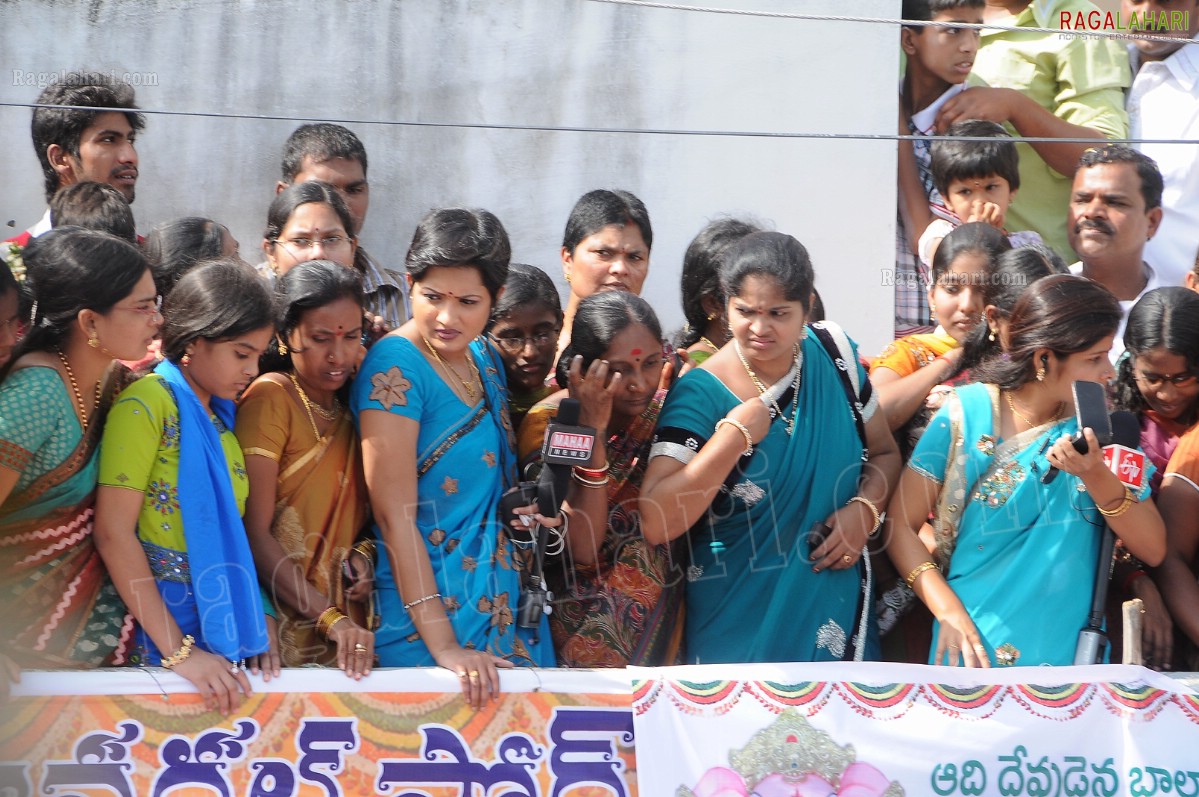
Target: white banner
x,y
802,730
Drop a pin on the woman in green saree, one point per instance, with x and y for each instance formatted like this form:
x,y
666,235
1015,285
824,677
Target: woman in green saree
x,y
94,302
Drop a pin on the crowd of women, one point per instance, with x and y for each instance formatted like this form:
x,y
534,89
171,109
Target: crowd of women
x,y
213,471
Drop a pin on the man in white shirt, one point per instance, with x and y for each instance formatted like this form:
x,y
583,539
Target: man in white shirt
x,y
74,144
1115,209
1163,103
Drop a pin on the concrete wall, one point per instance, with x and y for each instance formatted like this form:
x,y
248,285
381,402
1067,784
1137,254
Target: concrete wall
x,y
538,62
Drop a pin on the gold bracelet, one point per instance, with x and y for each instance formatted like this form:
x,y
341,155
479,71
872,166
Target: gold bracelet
x,y
366,548
419,601
1125,504
574,474
918,569
749,439
878,516
180,655
329,618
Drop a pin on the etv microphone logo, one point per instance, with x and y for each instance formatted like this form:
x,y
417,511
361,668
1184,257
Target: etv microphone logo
x,y
571,445
1128,464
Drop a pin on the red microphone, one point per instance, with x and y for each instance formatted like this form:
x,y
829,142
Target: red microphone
x,y
1121,456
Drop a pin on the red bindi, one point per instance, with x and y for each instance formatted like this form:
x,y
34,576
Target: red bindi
x,y
636,352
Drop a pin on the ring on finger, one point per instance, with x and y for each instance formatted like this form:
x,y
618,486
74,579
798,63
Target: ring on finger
x,y
359,647
846,558
474,675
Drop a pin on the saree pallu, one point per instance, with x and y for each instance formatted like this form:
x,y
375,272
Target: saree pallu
x,y
626,607
1019,554
751,592
320,507
465,461
60,607
911,353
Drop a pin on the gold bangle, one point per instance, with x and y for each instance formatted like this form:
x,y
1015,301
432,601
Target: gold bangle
x,y
878,516
419,601
574,475
329,618
180,655
749,439
1125,504
918,569
366,548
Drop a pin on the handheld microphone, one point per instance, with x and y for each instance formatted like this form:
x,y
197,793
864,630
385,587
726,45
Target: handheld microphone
x,y
566,444
1121,456
1129,465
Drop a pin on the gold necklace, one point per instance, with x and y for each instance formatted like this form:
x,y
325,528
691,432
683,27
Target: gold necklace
x,y
778,411
709,344
308,405
449,369
328,415
83,417
1012,406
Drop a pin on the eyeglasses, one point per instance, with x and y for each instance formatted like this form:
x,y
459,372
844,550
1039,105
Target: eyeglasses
x,y
1157,380
515,344
145,309
306,244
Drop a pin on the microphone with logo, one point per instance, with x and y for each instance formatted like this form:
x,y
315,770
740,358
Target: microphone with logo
x,y
566,444
1128,464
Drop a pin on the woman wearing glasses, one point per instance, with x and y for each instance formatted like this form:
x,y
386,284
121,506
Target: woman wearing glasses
x,y
94,302
1157,380
524,327
308,221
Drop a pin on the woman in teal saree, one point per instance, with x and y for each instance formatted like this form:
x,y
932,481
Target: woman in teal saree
x,y
1011,578
750,469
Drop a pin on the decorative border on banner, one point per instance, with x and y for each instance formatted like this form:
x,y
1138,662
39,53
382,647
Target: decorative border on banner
x,y
879,701
975,703
1189,704
702,697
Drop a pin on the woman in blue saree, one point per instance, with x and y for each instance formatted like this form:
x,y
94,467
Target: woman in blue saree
x,y
1011,579
437,445
754,468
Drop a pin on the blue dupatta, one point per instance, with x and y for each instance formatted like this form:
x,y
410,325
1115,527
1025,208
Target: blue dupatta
x,y
224,580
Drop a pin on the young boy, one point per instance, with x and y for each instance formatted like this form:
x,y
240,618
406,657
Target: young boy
x,y
977,180
93,206
938,60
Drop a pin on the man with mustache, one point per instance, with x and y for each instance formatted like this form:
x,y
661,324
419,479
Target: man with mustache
x,y
1115,208
74,145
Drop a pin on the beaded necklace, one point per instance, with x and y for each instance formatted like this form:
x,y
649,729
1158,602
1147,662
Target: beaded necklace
x,y
83,416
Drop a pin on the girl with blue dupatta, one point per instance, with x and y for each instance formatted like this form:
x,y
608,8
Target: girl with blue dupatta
x,y
437,451
173,488
1011,578
768,438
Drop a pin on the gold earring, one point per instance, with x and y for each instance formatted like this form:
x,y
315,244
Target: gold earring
x,y
1041,374
93,340
568,278
282,347
991,336
185,360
